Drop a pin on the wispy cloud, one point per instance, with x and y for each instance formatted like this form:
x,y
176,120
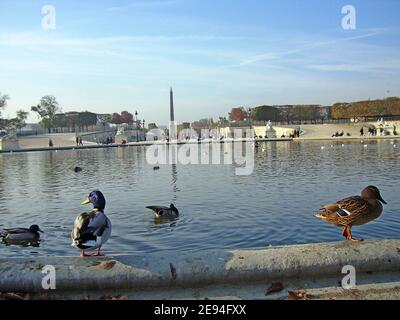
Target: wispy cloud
x,y
383,66
39,39
311,44
144,4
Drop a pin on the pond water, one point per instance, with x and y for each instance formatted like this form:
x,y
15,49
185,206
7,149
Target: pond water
x,y
219,209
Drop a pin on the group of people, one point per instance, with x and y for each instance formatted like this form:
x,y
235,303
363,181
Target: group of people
x,y
337,134
109,140
79,141
372,132
295,133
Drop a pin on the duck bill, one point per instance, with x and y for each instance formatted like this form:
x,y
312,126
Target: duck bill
x,y
381,200
40,230
87,201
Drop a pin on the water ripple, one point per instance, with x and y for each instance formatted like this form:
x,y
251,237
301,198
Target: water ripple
x,y
273,206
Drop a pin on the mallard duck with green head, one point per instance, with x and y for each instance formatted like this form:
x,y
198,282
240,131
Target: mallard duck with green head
x,y
354,211
92,229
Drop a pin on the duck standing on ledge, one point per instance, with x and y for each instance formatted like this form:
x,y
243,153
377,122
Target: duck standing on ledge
x,y
92,229
164,212
354,211
30,234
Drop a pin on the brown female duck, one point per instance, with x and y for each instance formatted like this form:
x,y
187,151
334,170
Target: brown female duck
x,y
354,211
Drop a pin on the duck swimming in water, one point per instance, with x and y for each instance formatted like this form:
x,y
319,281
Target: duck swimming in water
x,y
164,212
92,229
30,234
354,211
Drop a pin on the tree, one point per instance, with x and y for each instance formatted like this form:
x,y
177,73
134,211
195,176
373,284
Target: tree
x,y
186,125
265,113
238,114
365,109
306,112
152,126
106,117
287,114
47,110
115,118
21,119
60,120
126,117
14,123
87,118
71,119
3,101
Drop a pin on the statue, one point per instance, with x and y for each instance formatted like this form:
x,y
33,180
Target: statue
x,y
120,130
269,131
269,126
121,134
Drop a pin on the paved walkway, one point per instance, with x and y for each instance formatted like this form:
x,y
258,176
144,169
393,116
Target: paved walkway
x,y
42,141
310,271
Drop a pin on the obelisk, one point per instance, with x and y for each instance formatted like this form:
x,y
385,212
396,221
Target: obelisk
x,y
171,106
172,126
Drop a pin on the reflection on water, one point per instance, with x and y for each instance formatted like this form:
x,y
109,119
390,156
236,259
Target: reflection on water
x,y
172,222
174,180
273,206
20,243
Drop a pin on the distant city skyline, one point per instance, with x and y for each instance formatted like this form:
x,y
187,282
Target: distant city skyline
x,y
111,56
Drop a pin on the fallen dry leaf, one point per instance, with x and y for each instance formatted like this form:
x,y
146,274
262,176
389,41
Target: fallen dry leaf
x,y
11,296
114,297
300,295
275,287
107,265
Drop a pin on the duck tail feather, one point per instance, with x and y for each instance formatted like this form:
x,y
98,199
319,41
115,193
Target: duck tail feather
x,y
154,208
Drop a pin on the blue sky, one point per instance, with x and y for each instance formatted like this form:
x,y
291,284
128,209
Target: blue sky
x,y
106,56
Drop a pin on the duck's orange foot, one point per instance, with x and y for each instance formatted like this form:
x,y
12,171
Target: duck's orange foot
x,y
355,240
98,254
349,236
83,254
344,232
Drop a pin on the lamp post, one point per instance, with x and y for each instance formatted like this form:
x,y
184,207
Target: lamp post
x,y
250,117
144,130
251,135
137,127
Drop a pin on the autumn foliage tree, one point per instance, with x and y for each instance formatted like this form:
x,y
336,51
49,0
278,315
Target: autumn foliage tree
x,y
126,117
238,114
364,109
